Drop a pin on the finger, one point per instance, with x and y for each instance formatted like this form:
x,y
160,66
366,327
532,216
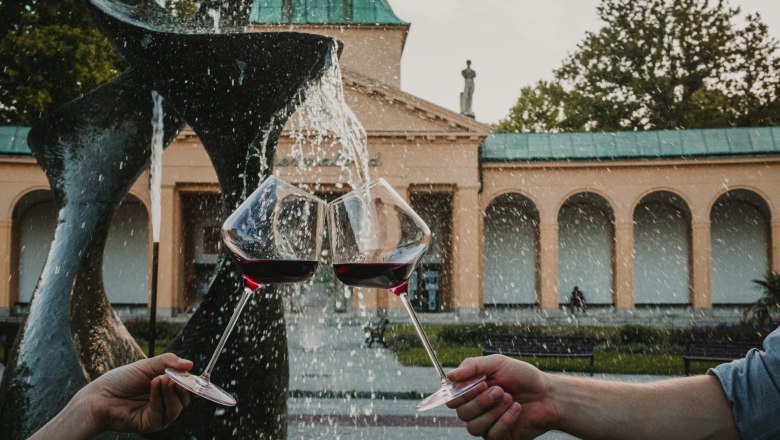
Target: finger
x,y
481,404
173,404
482,424
470,394
501,429
183,394
471,367
157,365
156,404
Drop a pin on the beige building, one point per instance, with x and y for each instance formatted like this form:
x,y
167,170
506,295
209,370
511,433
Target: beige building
x,y
682,219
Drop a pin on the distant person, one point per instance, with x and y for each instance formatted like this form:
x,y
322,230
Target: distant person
x,y
137,397
737,400
577,301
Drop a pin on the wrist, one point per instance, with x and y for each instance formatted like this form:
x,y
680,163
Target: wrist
x,y
76,421
87,412
552,397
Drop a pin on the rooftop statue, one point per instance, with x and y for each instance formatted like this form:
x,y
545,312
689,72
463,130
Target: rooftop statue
x,y
468,90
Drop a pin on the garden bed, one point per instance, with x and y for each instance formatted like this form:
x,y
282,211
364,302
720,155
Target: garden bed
x,y
619,350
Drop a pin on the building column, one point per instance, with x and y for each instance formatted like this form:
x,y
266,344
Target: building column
x,y
701,266
5,267
775,255
169,265
467,295
548,265
624,265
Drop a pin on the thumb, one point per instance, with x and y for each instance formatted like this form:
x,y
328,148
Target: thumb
x,y
158,364
476,366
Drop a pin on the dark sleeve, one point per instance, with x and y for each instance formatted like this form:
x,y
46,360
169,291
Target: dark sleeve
x,y
752,387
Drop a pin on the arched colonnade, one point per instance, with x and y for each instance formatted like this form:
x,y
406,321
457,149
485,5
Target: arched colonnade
x,y
656,247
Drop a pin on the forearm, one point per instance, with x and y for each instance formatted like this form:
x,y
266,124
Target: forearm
x,y
686,408
75,422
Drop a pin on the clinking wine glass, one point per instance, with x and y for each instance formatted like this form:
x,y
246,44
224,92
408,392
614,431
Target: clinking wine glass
x,y
377,240
274,236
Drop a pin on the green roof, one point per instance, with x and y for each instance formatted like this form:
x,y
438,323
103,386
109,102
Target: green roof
x,y
13,141
617,145
623,145
323,12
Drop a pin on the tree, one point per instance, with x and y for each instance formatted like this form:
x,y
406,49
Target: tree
x,y
51,54
544,107
659,64
767,307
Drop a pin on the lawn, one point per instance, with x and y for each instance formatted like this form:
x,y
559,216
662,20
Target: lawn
x,y
619,350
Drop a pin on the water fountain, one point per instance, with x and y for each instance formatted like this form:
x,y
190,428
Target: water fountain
x,y
236,90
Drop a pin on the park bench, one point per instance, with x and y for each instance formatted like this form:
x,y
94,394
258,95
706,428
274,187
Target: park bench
x,y
540,346
716,351
9,326
376,333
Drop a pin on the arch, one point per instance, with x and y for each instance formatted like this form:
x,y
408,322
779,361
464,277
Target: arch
x,y
22,197
138,197
511,250
662,249
34,219
740,222
672,192
510,192
126,255
586,235
758,196
579,193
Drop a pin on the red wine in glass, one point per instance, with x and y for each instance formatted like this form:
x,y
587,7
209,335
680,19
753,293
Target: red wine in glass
x,y
276,271
378,275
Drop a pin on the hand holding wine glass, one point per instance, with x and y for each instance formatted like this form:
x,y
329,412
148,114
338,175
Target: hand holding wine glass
x,y
274,236
377,241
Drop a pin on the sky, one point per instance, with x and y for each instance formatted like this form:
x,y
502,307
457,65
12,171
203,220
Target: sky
x,y
511,44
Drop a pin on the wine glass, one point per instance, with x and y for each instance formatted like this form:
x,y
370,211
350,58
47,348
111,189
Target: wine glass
x,y
274,236
377,240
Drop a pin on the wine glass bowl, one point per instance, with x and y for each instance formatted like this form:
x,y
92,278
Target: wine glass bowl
x,y
274,236
377,240
376,237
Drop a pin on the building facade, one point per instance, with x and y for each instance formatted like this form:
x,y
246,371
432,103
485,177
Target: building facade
x,y
676,219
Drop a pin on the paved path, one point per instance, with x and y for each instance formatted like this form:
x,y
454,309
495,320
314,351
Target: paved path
x,y
343,390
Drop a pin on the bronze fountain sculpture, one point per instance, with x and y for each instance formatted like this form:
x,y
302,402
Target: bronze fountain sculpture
x,y
236,90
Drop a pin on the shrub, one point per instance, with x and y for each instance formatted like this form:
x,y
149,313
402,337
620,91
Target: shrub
x,y
166,331
635,334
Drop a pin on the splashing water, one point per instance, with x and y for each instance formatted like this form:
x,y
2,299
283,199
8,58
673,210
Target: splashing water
x,y
325,122
155,173
214,14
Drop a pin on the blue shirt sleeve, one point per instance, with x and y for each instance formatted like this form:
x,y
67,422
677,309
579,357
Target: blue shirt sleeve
x,y
752,387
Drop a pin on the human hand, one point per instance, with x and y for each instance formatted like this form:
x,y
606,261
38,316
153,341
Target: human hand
x,y
514,403
137,397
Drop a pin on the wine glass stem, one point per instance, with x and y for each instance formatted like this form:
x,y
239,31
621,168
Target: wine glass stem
x,y
423,337
223,339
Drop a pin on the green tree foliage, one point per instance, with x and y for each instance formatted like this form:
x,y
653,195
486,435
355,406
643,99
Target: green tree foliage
x,y
659,64
766,308
51,53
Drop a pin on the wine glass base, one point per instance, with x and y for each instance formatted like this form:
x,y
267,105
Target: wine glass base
x,y
447,392
203,388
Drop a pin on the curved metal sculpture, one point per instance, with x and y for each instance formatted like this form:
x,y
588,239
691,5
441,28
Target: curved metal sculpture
x,y
236,91
92,150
